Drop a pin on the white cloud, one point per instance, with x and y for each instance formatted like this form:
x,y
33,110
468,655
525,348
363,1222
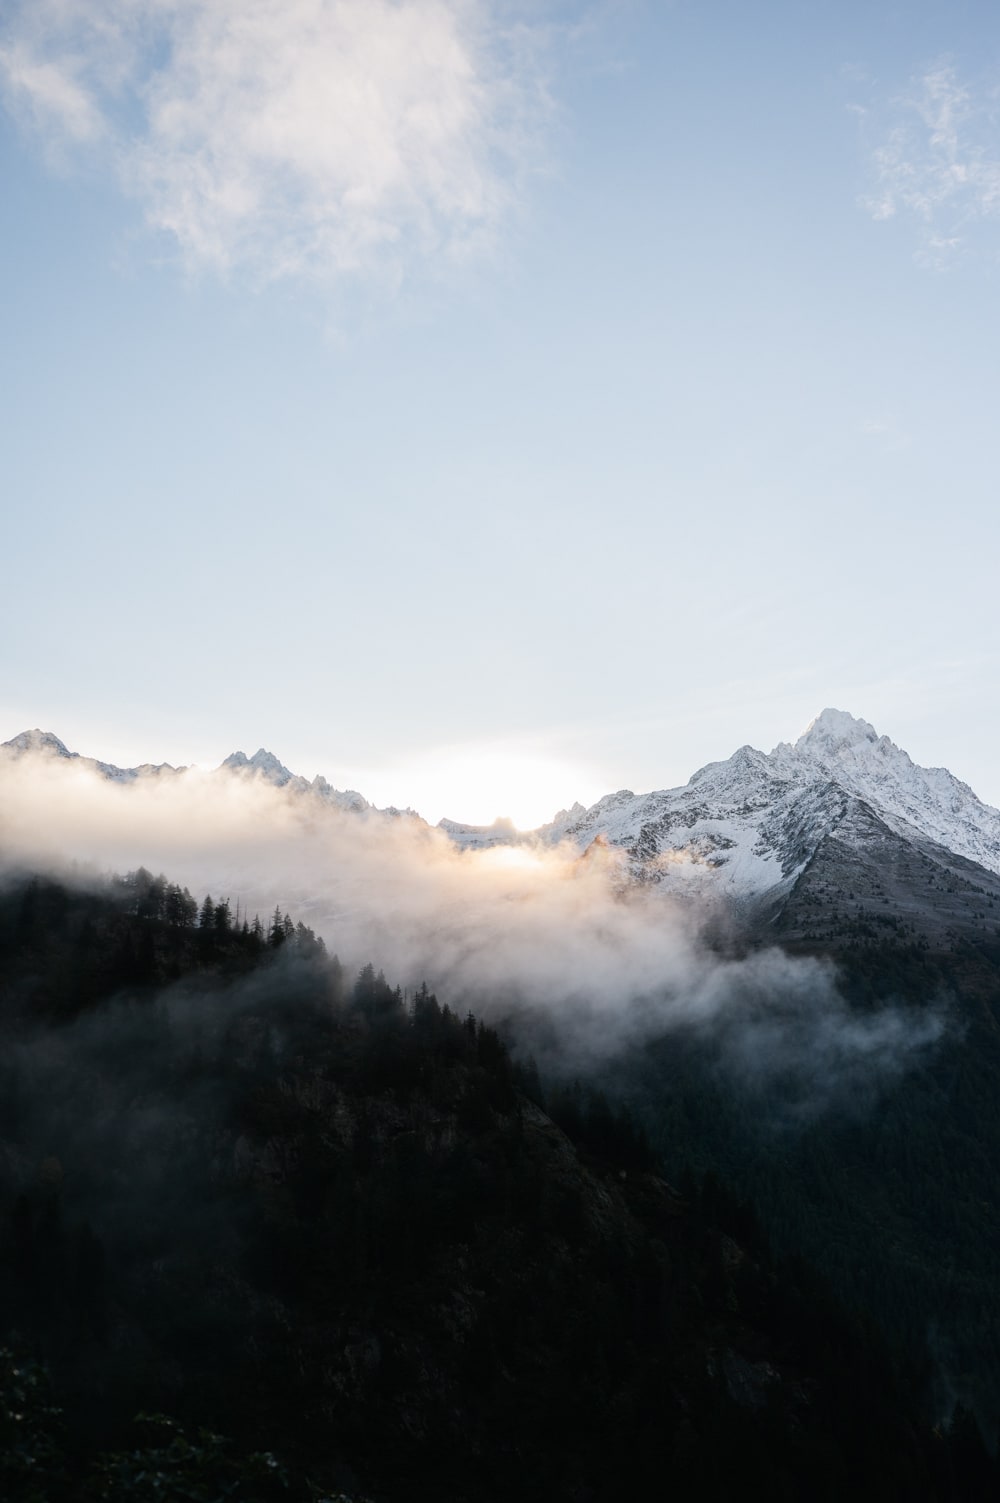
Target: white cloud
x,y
289,138
938,161
49,95
591,963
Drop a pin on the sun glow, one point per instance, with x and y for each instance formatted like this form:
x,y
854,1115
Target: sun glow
x,y
477,785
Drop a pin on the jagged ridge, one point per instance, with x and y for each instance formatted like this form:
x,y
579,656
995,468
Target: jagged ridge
x,y
745,829
262,764
749,826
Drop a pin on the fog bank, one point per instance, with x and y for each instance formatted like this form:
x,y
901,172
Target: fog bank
x,y
546,933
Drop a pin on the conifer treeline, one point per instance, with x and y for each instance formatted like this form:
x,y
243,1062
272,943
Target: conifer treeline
x,y
330,1208
65,946
156,899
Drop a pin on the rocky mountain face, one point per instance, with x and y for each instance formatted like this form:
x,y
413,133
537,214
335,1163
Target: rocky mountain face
x,y
757,818
263,764
38,743
840,834
837,846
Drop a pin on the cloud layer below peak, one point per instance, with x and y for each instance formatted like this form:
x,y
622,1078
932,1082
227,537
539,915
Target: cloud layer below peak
x,y
288,138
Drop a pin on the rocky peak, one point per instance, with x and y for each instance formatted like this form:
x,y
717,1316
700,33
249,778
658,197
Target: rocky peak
x,y
843,746
262,761
833,729
38,741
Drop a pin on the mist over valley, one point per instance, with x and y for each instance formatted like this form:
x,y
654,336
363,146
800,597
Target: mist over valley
x,y
559,1063
767,987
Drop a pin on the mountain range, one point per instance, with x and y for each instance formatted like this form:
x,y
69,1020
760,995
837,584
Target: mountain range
x,y
880,1172
838,833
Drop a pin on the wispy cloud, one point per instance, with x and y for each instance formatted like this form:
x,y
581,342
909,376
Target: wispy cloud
x,y
937,160
289,138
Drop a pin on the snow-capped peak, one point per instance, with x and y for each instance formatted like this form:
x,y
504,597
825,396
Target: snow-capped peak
x,y
834,736
848,750
925,800
262,761
39,741
743,826
749,824
267,763
835,728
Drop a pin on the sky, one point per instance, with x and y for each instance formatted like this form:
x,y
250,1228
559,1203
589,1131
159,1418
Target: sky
x,y
492,405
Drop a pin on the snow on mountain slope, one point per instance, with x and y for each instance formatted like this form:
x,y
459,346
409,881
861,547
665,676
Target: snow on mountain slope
x,y
43,743
38,741
263,764
926,799
743,829
748,826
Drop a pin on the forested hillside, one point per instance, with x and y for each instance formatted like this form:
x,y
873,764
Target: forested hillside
x,y
891,1189
333,1223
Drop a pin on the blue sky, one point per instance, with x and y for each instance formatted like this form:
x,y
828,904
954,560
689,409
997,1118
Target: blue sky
x,y
464,399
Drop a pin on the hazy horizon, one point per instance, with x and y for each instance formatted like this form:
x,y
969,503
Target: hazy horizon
x,y
528,781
